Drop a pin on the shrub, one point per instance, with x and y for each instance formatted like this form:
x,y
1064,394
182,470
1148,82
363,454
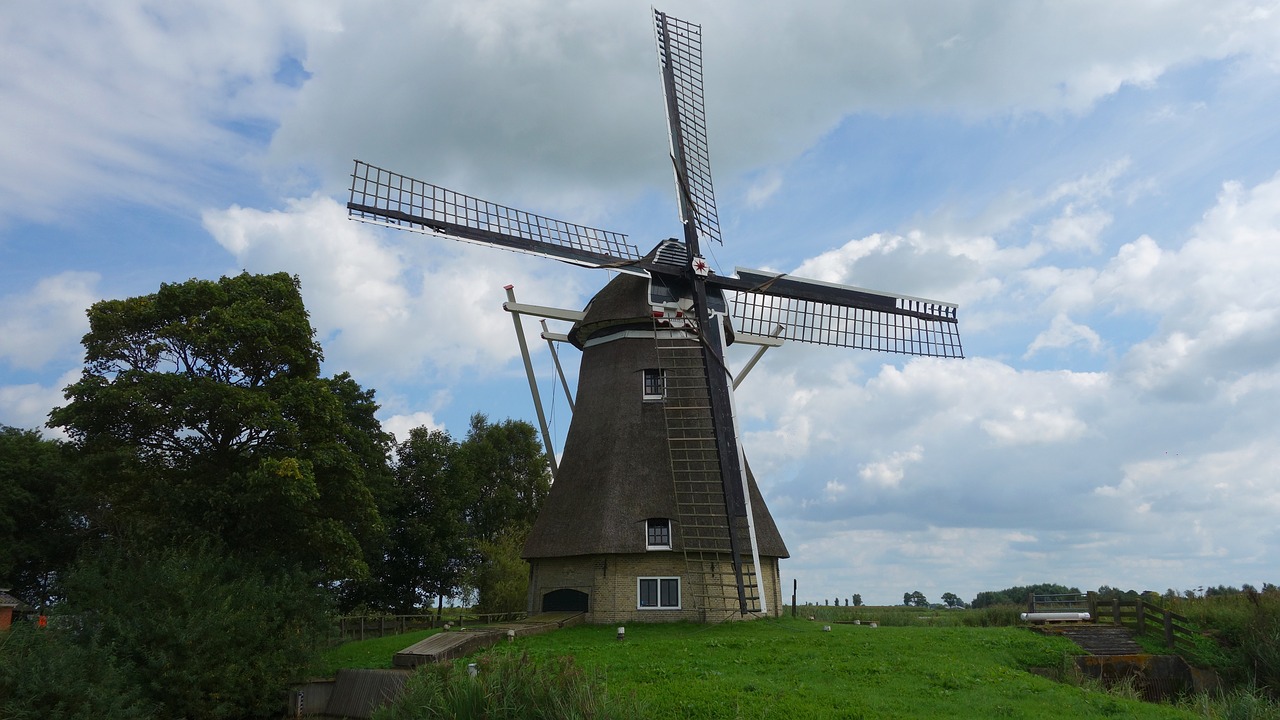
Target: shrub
x,y
994,616
194,631
1246,627
508,685
47,676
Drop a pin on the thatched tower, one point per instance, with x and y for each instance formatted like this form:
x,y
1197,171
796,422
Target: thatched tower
x,y
611,538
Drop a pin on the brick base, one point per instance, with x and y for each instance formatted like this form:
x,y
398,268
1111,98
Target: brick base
x,y
610,583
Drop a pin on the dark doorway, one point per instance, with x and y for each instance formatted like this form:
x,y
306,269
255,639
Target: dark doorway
x,y
564,600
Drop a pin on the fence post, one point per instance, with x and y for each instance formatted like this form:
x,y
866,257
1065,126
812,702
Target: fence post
x,y
1093,605
1031,602
793,596
1141,607
1168,628
1115,609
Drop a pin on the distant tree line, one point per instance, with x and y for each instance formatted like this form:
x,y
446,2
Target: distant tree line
x,y
219,499
918,599
1017,595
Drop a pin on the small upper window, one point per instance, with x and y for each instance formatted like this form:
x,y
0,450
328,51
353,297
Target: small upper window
x,y
655,384
659,533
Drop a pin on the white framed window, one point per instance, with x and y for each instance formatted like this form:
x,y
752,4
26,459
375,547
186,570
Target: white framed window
x,y
658,593
658,534
655,384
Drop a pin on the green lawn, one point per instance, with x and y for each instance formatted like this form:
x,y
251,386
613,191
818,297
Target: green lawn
x,y
793,669
372,653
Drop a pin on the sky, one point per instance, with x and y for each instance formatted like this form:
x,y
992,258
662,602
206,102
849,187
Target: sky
x,y
1095,184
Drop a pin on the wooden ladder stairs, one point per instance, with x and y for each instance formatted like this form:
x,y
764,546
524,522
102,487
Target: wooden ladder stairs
x,y
695,472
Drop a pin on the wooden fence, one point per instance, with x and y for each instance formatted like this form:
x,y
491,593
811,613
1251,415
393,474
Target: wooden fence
x,y
1130,611
361,627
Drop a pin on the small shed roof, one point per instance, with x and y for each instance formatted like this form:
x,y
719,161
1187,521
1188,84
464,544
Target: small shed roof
x,y
7,600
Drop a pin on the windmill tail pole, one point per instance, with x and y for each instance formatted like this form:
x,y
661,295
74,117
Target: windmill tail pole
x,y
533,381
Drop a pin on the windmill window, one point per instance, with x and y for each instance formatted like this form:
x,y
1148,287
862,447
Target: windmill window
x,y
655,384
659,533
658,593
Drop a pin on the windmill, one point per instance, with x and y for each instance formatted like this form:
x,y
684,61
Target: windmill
x,y
652,467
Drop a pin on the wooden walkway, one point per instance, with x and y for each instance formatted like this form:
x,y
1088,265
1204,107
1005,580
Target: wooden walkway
x,y
1098,639
453,644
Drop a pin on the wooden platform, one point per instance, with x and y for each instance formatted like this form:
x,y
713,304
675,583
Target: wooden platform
x,y
453,644
1101,639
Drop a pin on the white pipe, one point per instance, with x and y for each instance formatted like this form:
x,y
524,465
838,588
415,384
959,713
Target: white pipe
x,y
1053,616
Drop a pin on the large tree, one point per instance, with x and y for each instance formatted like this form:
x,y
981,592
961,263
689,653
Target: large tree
x,y
457,516
508,474
204,413
428,545
41,520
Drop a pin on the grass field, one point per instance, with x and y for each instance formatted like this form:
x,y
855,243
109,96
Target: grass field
x,y
373,653
793,669
789,668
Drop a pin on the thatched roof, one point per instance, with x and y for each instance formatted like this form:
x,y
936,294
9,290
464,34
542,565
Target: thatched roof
x,y
616,469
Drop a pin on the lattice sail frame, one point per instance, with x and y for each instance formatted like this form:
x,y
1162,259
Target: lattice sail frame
x,y
920,327
383,197
680,59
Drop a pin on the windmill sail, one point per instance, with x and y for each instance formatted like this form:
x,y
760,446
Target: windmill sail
x,y
386,198
827,314
680,55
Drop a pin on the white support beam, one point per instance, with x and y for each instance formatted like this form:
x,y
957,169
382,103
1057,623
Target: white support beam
x,y
751,339
774,341
512,306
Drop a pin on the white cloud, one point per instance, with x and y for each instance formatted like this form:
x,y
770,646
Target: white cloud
x,y
135,100
1021,426
130,101
27,406
889,471
1159,465
400,425
777,79
389,308
46,323
763,188
1216,295
1077,230
1063,333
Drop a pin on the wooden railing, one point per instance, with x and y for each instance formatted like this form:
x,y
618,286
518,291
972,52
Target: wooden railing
x,y
360,627
1147,617
1133,611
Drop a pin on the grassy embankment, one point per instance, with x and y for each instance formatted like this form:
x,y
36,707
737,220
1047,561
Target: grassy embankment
x,y
372,653
793,668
